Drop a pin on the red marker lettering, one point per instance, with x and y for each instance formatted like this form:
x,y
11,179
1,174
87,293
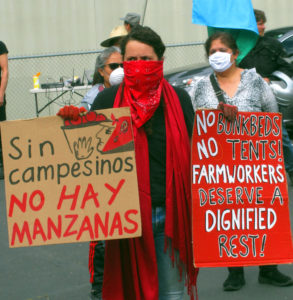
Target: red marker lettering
x,y
90,194
116,225
72,222
114,191
19,203
86,226
38,230
52,227
67,197
21,234
129,220
99,224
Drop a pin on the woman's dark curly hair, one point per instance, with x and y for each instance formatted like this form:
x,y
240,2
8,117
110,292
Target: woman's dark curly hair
x,y
144,35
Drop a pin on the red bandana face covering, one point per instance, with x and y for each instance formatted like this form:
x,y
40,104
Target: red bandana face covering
x,y
143,88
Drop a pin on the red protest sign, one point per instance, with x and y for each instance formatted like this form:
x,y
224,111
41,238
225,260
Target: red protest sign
x,y
240,213
71,181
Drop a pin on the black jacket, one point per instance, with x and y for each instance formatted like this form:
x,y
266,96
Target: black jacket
x,y
267,56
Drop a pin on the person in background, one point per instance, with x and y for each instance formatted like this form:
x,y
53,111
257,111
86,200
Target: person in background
x,y
108,60
131,20
3,85
247,91
266,57
115,37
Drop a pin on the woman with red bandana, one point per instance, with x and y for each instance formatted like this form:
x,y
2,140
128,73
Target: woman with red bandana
x,y
158,264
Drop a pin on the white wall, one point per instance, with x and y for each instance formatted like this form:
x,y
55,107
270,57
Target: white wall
x,y
50,26
279,13
41,26
30,27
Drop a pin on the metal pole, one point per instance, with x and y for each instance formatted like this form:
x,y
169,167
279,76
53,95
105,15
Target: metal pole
x,y
144,11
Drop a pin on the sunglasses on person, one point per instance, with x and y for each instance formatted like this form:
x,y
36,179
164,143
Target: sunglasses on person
x,y
114,66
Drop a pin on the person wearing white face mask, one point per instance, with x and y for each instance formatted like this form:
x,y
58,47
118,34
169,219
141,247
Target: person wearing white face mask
x,y
244,90
116,76
108,62
241,89
220,61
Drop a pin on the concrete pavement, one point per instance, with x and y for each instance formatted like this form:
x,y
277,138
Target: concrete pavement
x,y
59,272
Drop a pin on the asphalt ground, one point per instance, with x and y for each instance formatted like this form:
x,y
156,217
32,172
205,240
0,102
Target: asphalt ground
x,y
60,272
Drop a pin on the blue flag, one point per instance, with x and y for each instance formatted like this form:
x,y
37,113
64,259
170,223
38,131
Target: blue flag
x,y
235,16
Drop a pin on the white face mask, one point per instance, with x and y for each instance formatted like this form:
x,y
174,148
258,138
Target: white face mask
x,y
220,61
116,76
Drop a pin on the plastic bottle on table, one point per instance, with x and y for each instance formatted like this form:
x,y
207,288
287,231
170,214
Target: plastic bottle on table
x,y
36,80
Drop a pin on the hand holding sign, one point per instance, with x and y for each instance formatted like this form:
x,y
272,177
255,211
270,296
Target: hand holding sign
x,y
70,112
229,111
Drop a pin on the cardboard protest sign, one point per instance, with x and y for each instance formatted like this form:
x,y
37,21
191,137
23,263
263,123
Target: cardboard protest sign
x,y
240,213
71,181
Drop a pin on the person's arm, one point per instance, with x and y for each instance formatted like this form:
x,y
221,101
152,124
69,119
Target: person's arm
x,y
105,99
89,97
268,100
4,76
282,64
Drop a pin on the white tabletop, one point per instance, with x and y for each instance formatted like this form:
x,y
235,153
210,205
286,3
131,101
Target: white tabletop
x,y
61,89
